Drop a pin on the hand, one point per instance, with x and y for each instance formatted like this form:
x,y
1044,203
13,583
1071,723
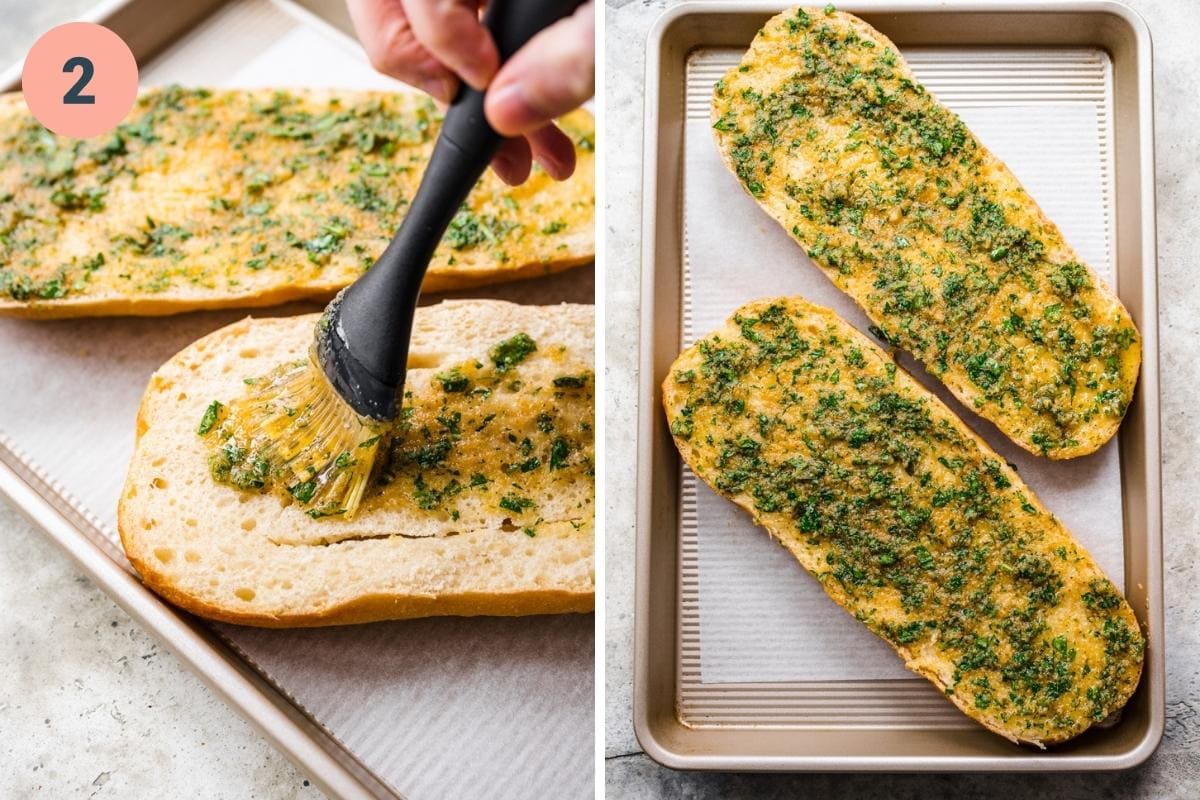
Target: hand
x,y
432,44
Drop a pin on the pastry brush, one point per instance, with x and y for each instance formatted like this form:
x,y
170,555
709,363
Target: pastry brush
x,y
317,424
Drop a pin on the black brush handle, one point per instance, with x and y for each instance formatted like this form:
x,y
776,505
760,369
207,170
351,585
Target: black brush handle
x,y
374,317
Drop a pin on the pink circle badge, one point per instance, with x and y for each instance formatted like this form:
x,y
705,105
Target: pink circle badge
x,y
80,80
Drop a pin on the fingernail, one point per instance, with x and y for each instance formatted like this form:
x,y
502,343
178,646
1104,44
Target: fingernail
x,y
504,168
553,167
476,79
510,111
440,88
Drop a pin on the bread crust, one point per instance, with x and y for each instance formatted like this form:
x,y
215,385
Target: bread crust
x,y
436,282
375,607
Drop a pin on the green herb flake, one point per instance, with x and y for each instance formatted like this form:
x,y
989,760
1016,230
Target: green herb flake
x,y
516,503
303,492
571,381
560,450
211,415
510,352
453,381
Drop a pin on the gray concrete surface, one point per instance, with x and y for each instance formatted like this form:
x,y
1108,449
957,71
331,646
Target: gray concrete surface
x,y
91,706
1174,771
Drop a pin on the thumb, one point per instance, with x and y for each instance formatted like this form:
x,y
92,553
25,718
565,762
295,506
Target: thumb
x,y
552,74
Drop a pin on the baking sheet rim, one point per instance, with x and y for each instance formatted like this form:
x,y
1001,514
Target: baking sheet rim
x,y
56,513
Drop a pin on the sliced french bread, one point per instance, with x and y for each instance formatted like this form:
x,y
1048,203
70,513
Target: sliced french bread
x,y
220,198
488,506
892,196
907,518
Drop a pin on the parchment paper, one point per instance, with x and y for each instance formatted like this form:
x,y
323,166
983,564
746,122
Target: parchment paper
x,y
762,618
438,708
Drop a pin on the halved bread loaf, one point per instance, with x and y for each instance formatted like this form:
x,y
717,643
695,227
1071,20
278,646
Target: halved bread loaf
x,y
933,236
488,506
232,198
909,520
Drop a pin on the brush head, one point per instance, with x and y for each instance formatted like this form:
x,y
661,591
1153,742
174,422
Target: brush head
x,y
294,426
316,425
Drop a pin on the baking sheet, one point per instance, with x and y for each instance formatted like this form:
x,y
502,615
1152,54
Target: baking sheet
x,y
779,625
436,708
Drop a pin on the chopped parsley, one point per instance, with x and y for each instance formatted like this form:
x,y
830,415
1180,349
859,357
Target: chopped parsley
x,y
510,352
211,415
453,381
515,503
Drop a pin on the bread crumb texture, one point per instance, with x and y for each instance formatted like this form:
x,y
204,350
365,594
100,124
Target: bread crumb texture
x,y
484,503
217,198
909,520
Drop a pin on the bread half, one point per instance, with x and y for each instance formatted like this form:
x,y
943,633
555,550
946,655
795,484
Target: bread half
x,y
488,508
933,236
222,198
907,518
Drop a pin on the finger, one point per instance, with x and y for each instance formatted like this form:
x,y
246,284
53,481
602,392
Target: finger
x,y
393,49
553,150
552,74
513,161
451,30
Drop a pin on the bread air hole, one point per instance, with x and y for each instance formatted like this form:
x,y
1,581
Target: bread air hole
x,y
507,525
248,524
164,554
425,360
192,557
249,352
245,594
191,523
159,483
148,524
158,462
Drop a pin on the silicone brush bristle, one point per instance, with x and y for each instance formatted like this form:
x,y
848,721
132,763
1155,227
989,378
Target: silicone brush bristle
x,y
315,443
